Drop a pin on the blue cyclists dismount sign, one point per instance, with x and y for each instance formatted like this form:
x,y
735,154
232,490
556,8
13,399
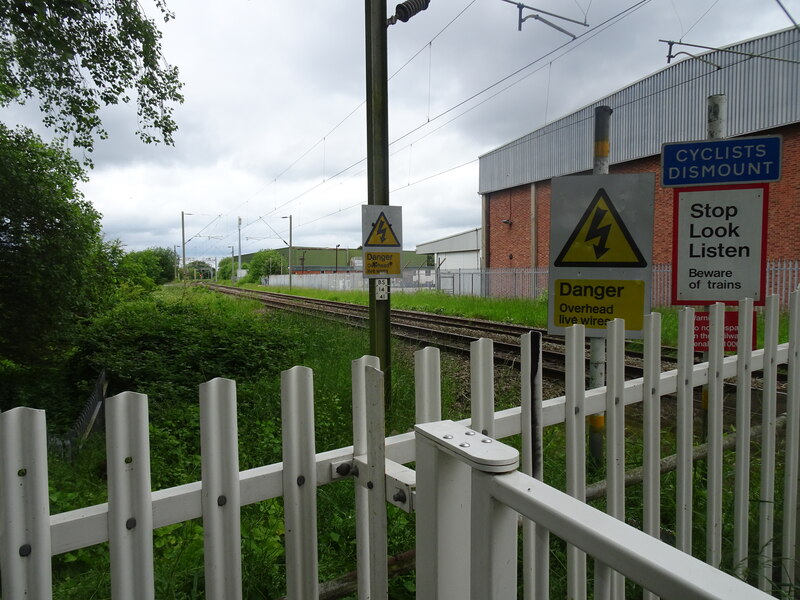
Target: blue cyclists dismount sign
x,y
721,162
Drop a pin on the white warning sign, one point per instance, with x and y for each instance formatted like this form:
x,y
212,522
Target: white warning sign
x,y
719,244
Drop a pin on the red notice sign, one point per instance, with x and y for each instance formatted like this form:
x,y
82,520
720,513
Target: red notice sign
x,y
701,329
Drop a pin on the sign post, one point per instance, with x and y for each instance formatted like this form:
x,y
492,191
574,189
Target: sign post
x,y
601,244
720,210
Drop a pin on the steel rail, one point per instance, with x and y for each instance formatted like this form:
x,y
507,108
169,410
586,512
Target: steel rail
x,y
449,333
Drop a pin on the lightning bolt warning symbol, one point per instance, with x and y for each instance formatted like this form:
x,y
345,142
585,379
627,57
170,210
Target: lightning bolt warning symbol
x,y
598,232
381,230
382,233
600,239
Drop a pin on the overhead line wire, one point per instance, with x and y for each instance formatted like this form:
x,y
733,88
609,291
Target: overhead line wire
x,y
583,37
595,31
590,117
216,218
791,18
577,42
434,175
551,130
429,42
592,32
352,112
703,16
441,31
340,123
547,130
401,188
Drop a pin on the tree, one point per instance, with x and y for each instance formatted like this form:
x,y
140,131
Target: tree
x,y
138,269
77,55
263,263
54,263
224,269
167,260
157,264
199,269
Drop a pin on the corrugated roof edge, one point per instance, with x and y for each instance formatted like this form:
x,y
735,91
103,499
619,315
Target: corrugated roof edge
x,y
559,123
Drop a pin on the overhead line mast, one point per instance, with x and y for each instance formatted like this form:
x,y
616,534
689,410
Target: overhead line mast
x,y
378,158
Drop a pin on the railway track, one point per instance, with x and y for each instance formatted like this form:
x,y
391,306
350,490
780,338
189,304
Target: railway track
x,y
455,334
447,332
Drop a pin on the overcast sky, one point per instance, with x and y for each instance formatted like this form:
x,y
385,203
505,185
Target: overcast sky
x,y
274,121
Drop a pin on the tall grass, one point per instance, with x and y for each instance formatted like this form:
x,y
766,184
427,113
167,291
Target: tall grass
x,y
522,311
215,328
167,346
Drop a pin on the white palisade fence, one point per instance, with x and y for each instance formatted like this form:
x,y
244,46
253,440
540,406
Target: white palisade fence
x,y
469,489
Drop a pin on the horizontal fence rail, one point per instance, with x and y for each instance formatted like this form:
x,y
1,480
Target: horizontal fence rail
x,y
467,489
498,492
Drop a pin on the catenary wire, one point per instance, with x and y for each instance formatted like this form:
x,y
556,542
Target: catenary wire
x,y
572,44
594,31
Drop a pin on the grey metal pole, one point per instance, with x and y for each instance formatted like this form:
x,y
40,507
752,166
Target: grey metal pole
x,y
716,129
240,244
597,346
717,117
378,171
233,264
183,243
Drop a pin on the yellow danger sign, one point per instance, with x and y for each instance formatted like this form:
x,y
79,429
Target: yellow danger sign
x,y
594,302
601,239
382,233
382,263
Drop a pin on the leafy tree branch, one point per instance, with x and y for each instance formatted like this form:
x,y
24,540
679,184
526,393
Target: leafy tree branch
x,y
75,56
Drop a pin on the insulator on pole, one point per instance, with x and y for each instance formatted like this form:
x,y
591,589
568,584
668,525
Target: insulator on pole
x,y
405,10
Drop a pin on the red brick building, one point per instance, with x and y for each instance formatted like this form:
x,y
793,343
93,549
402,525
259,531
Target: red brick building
x,y
763,98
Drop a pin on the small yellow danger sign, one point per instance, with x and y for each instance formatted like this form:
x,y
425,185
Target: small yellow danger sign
x,y
594,302
381,263
382,233
601,239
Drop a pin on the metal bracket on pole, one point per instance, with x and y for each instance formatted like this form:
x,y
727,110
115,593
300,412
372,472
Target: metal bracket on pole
x,y
520,6
546,22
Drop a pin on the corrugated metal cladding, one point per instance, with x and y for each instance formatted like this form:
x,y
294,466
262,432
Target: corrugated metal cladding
x,y
668,106
464,241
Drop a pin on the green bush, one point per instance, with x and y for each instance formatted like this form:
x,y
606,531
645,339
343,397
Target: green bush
x,y
167,347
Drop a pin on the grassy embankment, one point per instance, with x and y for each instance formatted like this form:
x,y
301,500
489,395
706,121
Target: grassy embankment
x,y
167,345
